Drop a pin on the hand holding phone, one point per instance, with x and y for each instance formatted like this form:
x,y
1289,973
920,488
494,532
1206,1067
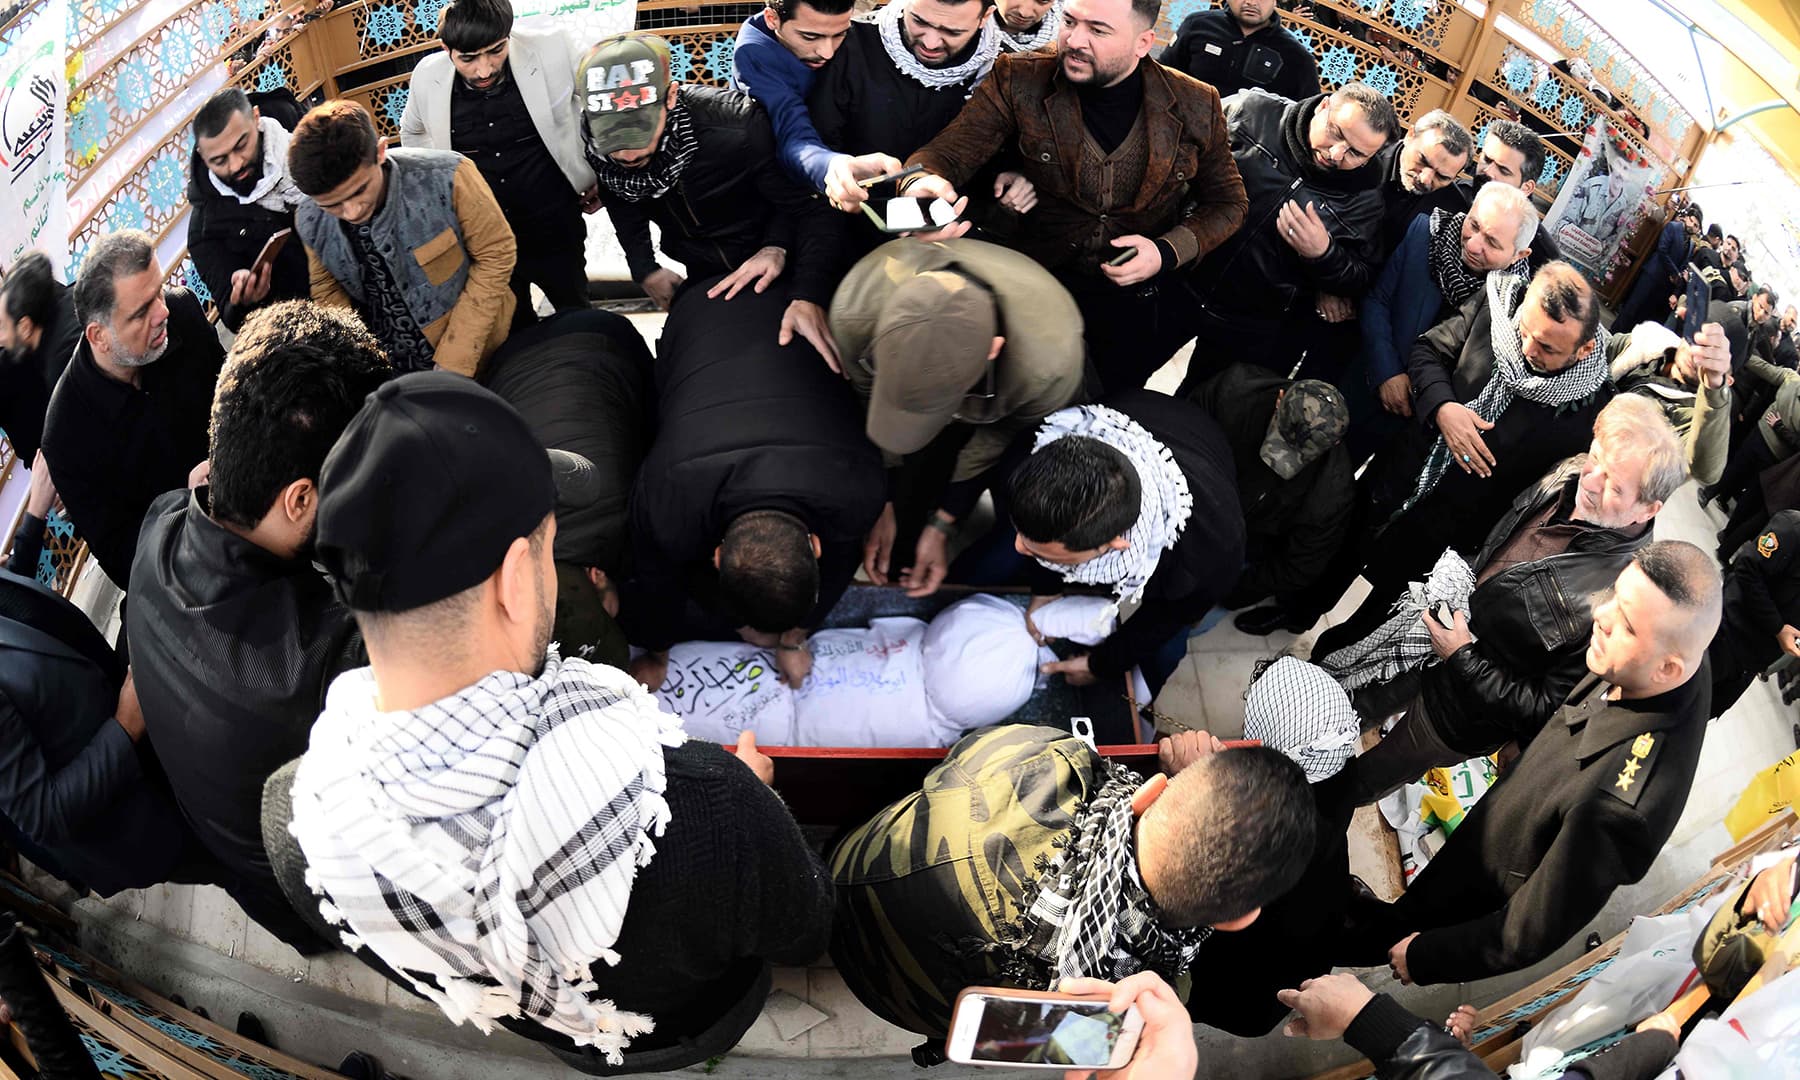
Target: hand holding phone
x,y
1033,1029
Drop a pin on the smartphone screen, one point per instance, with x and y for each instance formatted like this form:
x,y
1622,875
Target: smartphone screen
x,y
1699,297
1080,1034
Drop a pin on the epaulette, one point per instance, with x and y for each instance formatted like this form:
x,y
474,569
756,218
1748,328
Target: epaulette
x,y
1632,777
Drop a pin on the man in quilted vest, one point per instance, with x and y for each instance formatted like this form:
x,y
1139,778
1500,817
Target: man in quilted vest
x,y
412,239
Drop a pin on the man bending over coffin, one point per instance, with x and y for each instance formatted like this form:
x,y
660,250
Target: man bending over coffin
x,y
1074,866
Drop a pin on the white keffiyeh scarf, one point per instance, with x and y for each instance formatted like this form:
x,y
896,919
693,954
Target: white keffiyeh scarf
x,y
1163,511
1513,377
1403,643
488,842
1016,41
967,74
276,190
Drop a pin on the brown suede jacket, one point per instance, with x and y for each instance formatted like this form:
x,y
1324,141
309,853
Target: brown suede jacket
x,y
1191,194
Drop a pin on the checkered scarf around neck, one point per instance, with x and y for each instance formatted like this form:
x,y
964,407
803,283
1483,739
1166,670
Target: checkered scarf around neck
x,y
967,74
1089,914
485,845
274,190
1512,377
654,180
1163,511
1020,42
1402,643
1448,271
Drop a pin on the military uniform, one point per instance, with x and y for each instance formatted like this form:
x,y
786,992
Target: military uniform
x,y
1585,810
1762,594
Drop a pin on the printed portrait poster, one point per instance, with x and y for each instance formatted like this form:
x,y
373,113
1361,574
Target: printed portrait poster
x,y
1602,201
34,204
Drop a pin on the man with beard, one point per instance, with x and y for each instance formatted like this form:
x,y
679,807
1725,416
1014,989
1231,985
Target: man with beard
x,y
905,73
1027,25
38,332
700,162
664,876
128,418
1430,156
240,195
506,101
1130,161
235,635
1241,45
1309,246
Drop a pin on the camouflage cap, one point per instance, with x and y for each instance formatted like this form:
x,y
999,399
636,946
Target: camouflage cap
x,y
1309,421
622,89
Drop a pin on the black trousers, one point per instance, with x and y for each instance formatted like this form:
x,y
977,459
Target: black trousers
x,y
555,260
1131,332
1745,465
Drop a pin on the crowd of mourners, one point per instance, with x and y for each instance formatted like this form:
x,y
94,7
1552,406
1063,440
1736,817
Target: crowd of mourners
x,y
403,564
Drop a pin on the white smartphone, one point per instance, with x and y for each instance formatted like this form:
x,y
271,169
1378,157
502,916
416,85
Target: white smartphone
x,y
1033,1029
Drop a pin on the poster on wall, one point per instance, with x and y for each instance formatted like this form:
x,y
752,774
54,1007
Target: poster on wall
x,y
1601,203
34,204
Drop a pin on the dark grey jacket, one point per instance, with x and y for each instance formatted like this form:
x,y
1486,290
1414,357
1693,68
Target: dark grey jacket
x,y
75,792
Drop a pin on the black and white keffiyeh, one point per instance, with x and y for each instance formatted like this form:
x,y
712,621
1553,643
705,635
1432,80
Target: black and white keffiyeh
x,y
1020,41
487,843
1162,514
274,190
664,170
1090,915
1449,273
1513,377
967,75
1299,709
1403,643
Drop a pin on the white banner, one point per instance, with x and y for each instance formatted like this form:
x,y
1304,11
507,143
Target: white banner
x,y
34,204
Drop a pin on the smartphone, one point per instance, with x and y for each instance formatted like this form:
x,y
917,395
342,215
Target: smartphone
x,y
1699,298
1445,616
266,257
907,213
1033,1029
1124,256
910,170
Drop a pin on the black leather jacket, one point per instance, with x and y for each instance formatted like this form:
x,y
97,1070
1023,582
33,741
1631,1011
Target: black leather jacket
x,y
1255,274
733,199
1531,622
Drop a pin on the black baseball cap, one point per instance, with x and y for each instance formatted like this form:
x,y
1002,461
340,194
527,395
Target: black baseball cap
x,y
433,480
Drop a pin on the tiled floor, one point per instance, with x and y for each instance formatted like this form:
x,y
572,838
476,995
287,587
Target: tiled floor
x,y
1207,691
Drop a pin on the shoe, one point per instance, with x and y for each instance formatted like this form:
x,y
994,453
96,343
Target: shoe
x,y
250,1027
1265,620
1707,494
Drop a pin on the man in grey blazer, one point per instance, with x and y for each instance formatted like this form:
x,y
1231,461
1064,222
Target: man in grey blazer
x,y
505,100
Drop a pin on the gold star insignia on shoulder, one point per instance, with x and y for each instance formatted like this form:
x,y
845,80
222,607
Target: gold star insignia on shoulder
x,y
1626,777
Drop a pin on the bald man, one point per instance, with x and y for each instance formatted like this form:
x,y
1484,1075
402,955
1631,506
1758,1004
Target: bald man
x,y
1588,806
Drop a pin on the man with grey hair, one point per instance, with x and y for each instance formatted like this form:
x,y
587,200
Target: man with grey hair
x,y
1588,806
1508,661
1430,156
128,419
1512,154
